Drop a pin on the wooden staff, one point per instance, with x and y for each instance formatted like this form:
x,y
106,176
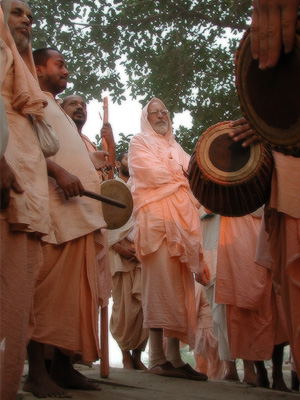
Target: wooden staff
x,y
104,364
105,120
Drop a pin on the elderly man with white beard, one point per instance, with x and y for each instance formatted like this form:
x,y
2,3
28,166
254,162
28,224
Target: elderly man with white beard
x,y
167,238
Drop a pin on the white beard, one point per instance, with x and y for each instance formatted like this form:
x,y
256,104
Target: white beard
x,y
161,129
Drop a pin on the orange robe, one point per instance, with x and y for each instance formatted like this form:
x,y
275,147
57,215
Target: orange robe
x,y
283,226
66,294
126,323
246,289
167,232
27,216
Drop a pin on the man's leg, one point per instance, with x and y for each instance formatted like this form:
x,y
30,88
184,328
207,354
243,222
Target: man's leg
x,y
137,362
277,375
249,372
231,372
38,382
21,257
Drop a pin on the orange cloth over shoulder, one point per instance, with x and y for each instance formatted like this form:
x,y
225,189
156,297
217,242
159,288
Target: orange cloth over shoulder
x,y
164,206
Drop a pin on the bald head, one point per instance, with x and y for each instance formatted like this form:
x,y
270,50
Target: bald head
x,y
20,23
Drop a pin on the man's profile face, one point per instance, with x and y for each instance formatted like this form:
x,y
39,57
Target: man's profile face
x,y
55,74
158,120
20,24
75,107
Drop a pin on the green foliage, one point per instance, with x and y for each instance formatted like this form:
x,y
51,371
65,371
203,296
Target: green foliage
x,y
121,147
181,51
123,144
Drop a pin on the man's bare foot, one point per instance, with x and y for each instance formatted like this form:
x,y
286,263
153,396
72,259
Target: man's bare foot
x,y
262,379
249,372
231,372
137,363
85,377
279,384
44,387
127,360
231,376
136,358
71,379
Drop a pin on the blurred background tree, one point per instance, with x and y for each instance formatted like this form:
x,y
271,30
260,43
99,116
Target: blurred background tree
x,y
181,51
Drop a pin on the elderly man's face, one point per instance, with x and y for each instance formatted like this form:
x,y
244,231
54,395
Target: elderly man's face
x,y
158,117
20,24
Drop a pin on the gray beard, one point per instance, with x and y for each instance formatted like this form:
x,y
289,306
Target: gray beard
x,y
21,43
161,129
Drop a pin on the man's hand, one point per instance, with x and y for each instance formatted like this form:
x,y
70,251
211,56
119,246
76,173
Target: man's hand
x,y
100,161
70,184
126,252
204,276
273,25
7,182
107,134
242,131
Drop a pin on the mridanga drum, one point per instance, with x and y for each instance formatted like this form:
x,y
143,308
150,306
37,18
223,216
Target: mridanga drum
x,y
115,217
269,99
227,178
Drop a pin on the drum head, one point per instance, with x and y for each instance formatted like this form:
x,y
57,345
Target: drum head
x,y
227,178
223,160
116,217
270,99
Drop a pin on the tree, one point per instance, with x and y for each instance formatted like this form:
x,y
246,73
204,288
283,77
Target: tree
x,y
181,51
121,147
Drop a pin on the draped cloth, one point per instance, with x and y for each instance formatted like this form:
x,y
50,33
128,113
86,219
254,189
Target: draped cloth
x,y
126,323
206,350
27,216
210,226
247,291
164,206
167,233
65,301
282,238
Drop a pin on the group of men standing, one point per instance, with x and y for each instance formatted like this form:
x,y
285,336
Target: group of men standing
x,y
53,240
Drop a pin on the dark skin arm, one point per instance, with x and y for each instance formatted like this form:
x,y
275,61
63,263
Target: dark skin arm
x,y
70,184
8,182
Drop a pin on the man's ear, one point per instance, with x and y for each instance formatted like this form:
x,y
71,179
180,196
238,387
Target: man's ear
x,y
39,70
118,164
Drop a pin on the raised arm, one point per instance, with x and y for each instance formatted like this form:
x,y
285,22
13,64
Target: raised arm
x,y
107,135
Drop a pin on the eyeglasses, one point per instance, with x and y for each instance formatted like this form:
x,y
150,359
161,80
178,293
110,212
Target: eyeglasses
x,y
156,112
